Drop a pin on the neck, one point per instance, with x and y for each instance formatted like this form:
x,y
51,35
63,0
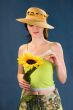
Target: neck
x,y
38,41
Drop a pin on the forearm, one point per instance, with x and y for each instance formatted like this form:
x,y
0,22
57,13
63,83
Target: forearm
x,y
61,72
20,76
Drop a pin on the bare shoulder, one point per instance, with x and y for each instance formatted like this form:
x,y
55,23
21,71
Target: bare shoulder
x,y
21,49
22,46
56,46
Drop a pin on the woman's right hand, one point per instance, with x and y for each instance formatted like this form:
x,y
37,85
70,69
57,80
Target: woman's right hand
x,y
22,83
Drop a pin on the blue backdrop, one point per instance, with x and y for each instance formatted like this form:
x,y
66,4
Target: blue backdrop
x,y
12,35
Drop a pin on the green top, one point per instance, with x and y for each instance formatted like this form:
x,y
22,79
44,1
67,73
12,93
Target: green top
x,y
42,77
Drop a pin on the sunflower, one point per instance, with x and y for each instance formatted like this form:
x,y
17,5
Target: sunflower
x,y
29,61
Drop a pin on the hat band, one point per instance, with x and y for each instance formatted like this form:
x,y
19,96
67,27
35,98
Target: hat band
x,y
37,18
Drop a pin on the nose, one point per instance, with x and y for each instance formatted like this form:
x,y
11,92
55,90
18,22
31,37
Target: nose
x,y
35,27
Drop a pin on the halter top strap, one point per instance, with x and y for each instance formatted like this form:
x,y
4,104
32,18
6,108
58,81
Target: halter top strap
x,y
27,47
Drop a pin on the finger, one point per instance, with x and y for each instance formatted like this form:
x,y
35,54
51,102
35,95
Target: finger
x,y
24,82
21,85
51,60
25,87
53,55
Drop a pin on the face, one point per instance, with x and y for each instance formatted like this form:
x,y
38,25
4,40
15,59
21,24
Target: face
x,y
35,30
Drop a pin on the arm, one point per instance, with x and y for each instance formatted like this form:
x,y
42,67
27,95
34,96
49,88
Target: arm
x,y
57,58
22,83
60,63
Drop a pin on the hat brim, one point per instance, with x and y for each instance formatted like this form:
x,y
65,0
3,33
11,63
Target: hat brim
x,y
36,23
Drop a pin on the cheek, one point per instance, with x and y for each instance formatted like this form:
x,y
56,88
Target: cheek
x,y
41,30
29,30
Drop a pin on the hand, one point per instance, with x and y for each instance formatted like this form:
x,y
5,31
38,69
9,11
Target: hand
x,y
52,57
25,85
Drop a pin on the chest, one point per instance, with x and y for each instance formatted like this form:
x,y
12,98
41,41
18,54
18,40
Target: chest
x,y
38,50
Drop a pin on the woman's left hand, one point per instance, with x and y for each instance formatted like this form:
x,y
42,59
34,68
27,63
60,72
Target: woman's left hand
x,y
52,57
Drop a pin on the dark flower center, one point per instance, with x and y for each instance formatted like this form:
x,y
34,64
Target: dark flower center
x,y
30,61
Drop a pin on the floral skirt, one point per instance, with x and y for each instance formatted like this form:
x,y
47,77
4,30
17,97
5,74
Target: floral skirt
x,y
40,102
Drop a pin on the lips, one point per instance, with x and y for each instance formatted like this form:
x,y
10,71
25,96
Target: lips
x,y
35,32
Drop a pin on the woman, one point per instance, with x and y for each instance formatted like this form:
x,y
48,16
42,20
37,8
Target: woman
x,y
36,62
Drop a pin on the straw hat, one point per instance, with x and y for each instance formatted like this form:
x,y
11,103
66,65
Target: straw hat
x,y
36,16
